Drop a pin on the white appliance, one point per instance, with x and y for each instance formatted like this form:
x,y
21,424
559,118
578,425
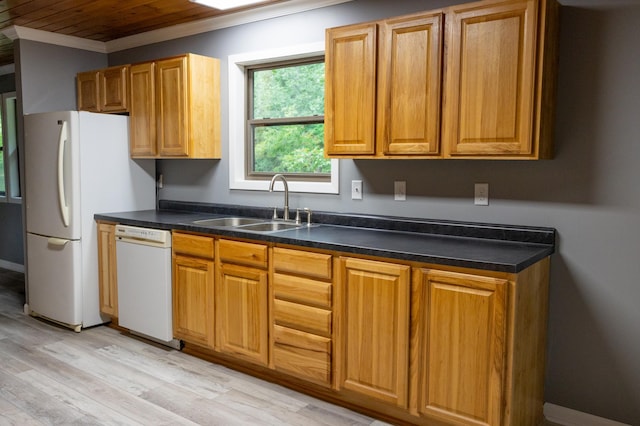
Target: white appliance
x,y
144,283
76,164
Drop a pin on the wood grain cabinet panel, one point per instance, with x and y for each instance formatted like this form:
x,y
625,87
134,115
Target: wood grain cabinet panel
x,y
107,274
242,300
301,301
142,107
104,90
462,326
382,95
374,335
241,313
476,80
193,289
176,111
493,87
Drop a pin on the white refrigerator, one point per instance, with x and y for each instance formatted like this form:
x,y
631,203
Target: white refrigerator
x,y
76,164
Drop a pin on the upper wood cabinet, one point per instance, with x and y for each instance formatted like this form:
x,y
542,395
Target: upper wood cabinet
x,y
382,92
103,90
175,108
386,95
500,79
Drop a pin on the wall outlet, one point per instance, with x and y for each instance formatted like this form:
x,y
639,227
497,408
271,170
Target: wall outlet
x,y
400,190
481,194
356,190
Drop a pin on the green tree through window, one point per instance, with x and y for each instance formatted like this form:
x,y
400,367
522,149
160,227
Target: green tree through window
x,y
286,120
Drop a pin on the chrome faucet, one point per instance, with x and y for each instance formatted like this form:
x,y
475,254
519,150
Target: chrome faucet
x,y
286,193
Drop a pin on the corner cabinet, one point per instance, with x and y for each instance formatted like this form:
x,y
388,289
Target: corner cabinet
x,y
386,95
107,274
193,288
373,351
104,90
175,108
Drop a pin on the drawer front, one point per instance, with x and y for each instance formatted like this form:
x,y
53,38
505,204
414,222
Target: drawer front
x,y
303,355
193,245
302,262
302,290
301,317
286,336
302,363
243,253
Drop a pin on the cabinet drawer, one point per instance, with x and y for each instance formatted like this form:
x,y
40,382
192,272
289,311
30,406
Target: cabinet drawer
x,y
243,253
302,262
302,290
302,354
193,245
301,317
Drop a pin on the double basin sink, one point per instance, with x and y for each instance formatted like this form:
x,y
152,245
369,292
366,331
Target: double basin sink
x,y
248,224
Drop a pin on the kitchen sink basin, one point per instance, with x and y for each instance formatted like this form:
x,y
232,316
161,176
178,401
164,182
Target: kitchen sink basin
x,y
269,226
228,221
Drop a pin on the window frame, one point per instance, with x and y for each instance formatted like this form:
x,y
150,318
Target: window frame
x,y
238,126
9,147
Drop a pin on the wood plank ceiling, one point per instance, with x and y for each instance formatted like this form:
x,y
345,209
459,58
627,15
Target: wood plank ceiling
x,y
101,20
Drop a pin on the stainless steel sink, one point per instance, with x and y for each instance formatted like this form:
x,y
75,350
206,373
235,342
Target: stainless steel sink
x,y
228,221
269,226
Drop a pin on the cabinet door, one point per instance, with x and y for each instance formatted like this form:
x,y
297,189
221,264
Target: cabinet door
x,y
107,278
171,104
490,81
350,90
142,110
410,63
87,91
114,89
375,329
241,313
193,292
461,330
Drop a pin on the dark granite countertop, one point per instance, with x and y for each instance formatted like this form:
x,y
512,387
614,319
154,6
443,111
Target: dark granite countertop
x,y
504,248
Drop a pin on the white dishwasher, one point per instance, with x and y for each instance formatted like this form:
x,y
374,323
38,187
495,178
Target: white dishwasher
x,y
144,283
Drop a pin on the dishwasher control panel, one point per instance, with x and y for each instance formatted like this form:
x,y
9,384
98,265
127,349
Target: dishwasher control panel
x,y
155,236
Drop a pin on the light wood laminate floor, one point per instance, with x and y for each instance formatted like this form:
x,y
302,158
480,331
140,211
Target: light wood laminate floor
x,y
51,375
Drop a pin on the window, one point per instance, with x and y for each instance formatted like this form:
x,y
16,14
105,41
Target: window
x,y
276,120
9,173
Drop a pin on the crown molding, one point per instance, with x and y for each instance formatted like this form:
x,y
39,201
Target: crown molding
x,y
170,33
17,32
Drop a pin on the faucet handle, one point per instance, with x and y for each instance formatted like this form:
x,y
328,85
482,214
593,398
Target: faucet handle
x,y
308,210
298,216
275,213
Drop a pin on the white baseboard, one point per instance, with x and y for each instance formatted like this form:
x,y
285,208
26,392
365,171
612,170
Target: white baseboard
x,y
11,266
568,417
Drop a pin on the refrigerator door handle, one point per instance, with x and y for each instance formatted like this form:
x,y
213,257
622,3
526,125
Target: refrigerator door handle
x,y
57,241
64,207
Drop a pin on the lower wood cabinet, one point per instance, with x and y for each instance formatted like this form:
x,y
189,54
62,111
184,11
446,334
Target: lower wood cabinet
x,y
461,325
241,301
193,289
107,275
302,314
374,336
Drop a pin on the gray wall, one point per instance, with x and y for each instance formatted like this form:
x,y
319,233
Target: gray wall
x,y
589,192
11,247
